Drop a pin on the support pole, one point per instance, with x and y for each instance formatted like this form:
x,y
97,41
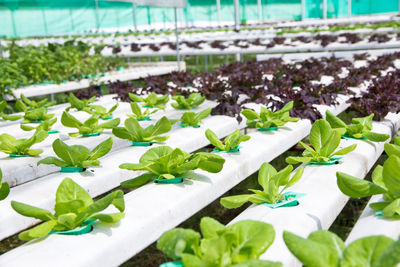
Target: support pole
x,y
324,9
236,4
97,15
349,7
259,11
219,12
303,9
177,39
134,16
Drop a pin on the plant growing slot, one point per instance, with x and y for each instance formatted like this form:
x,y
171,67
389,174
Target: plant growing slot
x,y
45,126
324,141
324,248
237,245
21,147
76,158
274,184
192,119
90,127
194,100
167,165
143,136
151,101
4,188
360,129
79,104
27,104
7,117
75,212
101,112
230,143
138,114
267,119
38,115
385,180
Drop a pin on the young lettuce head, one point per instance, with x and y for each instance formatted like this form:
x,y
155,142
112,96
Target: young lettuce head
x,y
194,119
236,245
194,100
139,114
101,111
7,117
151,101
163,162
21,147
73,208
231,142
79,104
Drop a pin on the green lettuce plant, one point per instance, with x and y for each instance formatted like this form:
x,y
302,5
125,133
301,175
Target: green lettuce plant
x,y
100,111
361,128
136,133
385,181
89,127
194,119
269,119
273,183
324,141
151,101
231,142
194,100
4,188
73,208
236,245
165,163
37,115
21,147
7,117
139,114
45,125
324,248
79,104
24,103
77,155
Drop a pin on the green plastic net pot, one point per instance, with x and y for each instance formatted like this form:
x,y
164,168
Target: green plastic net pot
x,y
332,161
142,143
12,155
73,169
84,229
176,180
172,264
267,129
144,119
291,200
108,118
91,134
345,136
235,150
52,132
186,126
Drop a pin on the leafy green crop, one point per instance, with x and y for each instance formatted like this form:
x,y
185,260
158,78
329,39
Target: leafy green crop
x,y
45,125
324,140
231,142
151,101
385,180
134,132
236,245
100,111
79,104
76,155
270,180
164,162
7,117
267,118
194,100
361,127
4,188
90,126
138,114
37,115
324,248
25,103
73,207
194,119
10,145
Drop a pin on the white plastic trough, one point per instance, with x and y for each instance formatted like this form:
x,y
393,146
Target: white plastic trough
x,y
153,209
323,202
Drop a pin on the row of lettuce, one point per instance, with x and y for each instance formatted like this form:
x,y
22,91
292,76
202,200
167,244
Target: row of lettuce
x,y
241,243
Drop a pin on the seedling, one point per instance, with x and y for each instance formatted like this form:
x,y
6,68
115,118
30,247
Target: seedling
x,y
45,126
37,115
151,101
21,147
192,119
7,117
79,104
230,143
73,208
24,103
100,111
138,114
194,100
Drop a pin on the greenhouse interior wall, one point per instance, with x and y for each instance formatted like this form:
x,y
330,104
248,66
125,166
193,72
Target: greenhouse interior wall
x,y
39,17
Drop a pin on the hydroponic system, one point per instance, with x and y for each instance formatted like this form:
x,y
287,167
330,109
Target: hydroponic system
x,y
259,143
